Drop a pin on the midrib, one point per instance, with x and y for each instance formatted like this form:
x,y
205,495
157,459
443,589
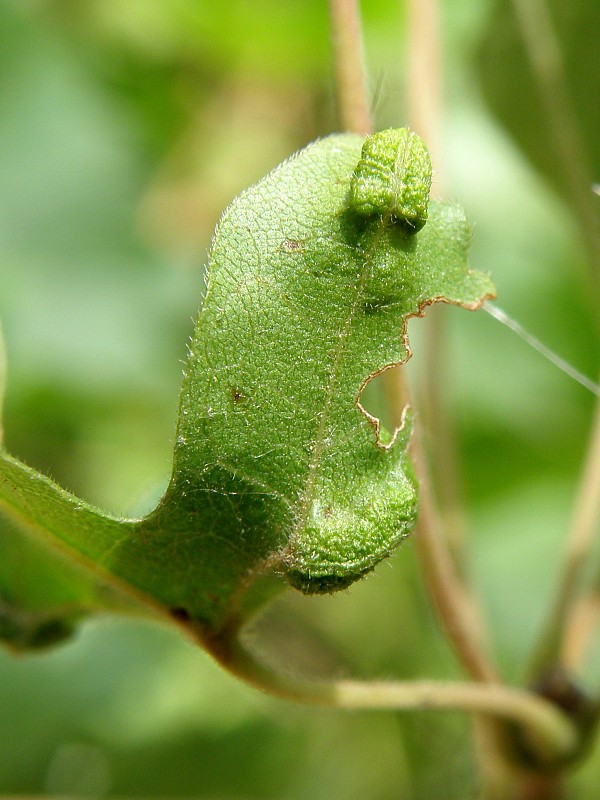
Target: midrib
x,y
307,496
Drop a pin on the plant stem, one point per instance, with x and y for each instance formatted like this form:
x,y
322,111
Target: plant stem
x,y
350,71
424,78
354,115
542,787
440,534
546,59
549,731
425,117
581,625
459,616
579,547
455,606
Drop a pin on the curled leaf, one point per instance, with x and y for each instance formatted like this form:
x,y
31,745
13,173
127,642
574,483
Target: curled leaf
x,y
306,300
278,471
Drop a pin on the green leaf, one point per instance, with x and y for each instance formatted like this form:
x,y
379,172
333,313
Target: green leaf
x,y
50,548
278,470
306,301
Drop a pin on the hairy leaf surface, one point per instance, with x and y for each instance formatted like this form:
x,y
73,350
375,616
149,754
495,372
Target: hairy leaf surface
x,y
277,468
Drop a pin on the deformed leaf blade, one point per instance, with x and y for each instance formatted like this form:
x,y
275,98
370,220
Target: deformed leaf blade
x,y
277,469
305,301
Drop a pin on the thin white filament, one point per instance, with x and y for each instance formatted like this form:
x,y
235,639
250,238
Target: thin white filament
x,y
545,351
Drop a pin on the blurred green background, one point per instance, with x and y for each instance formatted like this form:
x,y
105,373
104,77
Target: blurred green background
x,y
125,129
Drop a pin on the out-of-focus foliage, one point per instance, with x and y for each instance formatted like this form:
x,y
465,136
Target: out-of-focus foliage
x,y
2,378
567,55
125,129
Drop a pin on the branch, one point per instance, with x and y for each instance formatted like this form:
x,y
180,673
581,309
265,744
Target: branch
x,y
580,545
455,606
425,116
548,731
543,48
350,71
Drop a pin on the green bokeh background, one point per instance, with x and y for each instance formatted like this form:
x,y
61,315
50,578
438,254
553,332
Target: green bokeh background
x,y
125,129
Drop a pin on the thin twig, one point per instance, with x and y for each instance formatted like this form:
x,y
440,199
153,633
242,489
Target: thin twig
x,y
444,556
424,78
445,462
350,71
425,117
543,49
354,114
455,606
582,624
579,547
585,518
542,787
549,730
